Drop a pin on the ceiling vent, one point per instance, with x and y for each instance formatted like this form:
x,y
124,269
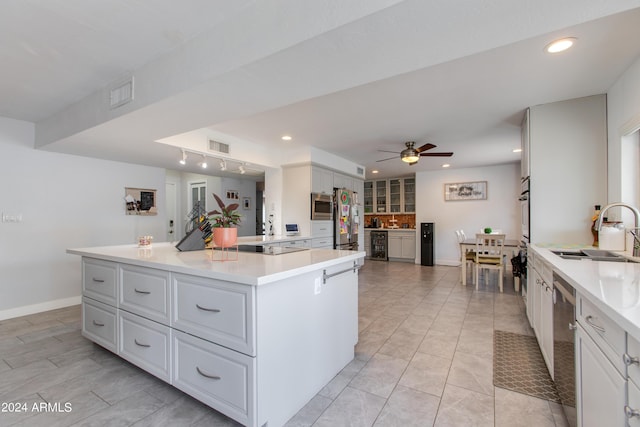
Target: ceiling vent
x,y
121,94
219,147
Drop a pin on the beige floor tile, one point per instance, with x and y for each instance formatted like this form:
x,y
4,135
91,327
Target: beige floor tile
x,y
426,373
439,343
380,375
519,410
472,372
462,407
353,408
408,408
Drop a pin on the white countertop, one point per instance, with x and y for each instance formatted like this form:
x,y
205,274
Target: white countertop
x,y
250,268
265,240
613,286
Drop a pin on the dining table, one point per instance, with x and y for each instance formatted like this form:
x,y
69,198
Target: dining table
x,y
470,245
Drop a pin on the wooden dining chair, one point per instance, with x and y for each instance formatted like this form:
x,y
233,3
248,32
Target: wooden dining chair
x,y
489,255
469,256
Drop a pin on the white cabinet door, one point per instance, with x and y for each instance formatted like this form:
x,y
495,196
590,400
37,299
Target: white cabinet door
x,y
546,325
600,396
321,180
537,296
409,246
394,247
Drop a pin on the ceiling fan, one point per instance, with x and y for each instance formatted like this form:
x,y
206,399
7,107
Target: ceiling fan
x,y
411,155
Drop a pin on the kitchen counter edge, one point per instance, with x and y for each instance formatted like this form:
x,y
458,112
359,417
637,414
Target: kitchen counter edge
x,y
250,268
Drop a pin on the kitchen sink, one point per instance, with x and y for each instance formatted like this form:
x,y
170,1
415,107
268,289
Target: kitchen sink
x,y
592,254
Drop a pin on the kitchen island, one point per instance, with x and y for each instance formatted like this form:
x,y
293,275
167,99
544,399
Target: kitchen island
x,y
255,338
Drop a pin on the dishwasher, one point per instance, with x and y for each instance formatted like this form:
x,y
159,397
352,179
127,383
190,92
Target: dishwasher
x,y
564,325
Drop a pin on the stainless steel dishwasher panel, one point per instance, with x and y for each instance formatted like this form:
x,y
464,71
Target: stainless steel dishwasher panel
x,y
564,323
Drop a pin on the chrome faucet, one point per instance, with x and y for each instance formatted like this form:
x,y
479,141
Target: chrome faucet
x,y
636,214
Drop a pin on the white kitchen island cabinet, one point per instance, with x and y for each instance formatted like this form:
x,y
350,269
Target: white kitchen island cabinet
x,y
255,338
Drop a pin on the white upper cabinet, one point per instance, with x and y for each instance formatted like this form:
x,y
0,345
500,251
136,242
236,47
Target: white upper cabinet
x,y
321,180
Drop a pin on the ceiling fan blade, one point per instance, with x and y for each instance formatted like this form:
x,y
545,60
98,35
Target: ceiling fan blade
x,y
387,151
436,154
383,160
425,147
411,164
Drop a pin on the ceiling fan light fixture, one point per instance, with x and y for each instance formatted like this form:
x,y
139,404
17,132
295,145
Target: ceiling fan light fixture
x,y
409,155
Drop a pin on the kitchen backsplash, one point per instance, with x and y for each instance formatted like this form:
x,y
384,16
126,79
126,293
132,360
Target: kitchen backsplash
x,y
409,219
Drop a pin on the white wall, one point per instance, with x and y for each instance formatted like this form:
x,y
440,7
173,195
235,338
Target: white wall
x,y
499,211
65,201
623,112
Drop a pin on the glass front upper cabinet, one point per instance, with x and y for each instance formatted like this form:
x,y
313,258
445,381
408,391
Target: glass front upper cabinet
x,y
381,196
410,195
368,197
395,196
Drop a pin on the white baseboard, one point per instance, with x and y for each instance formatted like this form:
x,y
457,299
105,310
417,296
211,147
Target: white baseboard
x,y
39,308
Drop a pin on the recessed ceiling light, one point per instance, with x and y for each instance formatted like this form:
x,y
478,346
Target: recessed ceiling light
x,y
560,45
517,150
446,165
286,138
374,171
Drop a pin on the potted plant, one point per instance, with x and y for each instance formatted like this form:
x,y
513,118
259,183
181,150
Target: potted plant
x,y
223,222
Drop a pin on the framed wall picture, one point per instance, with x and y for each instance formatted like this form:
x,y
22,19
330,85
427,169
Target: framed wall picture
x,y
232,194
246,203
476,190
140,201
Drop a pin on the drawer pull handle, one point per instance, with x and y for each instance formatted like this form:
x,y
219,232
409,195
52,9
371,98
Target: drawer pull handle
x,y
628,360
212,377
98,280
98,323
598,328
141,345
214,310
631,413
141,292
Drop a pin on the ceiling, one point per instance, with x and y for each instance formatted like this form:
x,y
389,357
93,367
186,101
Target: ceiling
x,y
349,79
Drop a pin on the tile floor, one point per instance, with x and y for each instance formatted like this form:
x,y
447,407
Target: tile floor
x,y
424,358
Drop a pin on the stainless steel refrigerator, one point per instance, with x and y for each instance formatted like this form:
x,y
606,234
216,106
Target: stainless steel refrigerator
x,y
346,219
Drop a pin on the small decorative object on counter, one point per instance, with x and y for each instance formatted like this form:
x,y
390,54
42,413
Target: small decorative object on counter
x,y
144,241
487,230
594,225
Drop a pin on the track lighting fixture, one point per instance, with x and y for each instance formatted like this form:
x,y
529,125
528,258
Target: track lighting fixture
x,y
241,169
223,165
204,162
183,160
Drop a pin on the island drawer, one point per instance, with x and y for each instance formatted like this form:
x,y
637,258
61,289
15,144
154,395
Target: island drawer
x,y
221,378
145,344
146,292
322,242
99,280
217,311
99,323
610,337
633,352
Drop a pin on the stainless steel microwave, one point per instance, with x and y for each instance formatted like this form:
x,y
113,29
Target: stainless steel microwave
x,y
321,206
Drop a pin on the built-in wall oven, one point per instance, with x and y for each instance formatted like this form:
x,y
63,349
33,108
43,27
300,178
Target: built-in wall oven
x,y
564,324
524,209
321,206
